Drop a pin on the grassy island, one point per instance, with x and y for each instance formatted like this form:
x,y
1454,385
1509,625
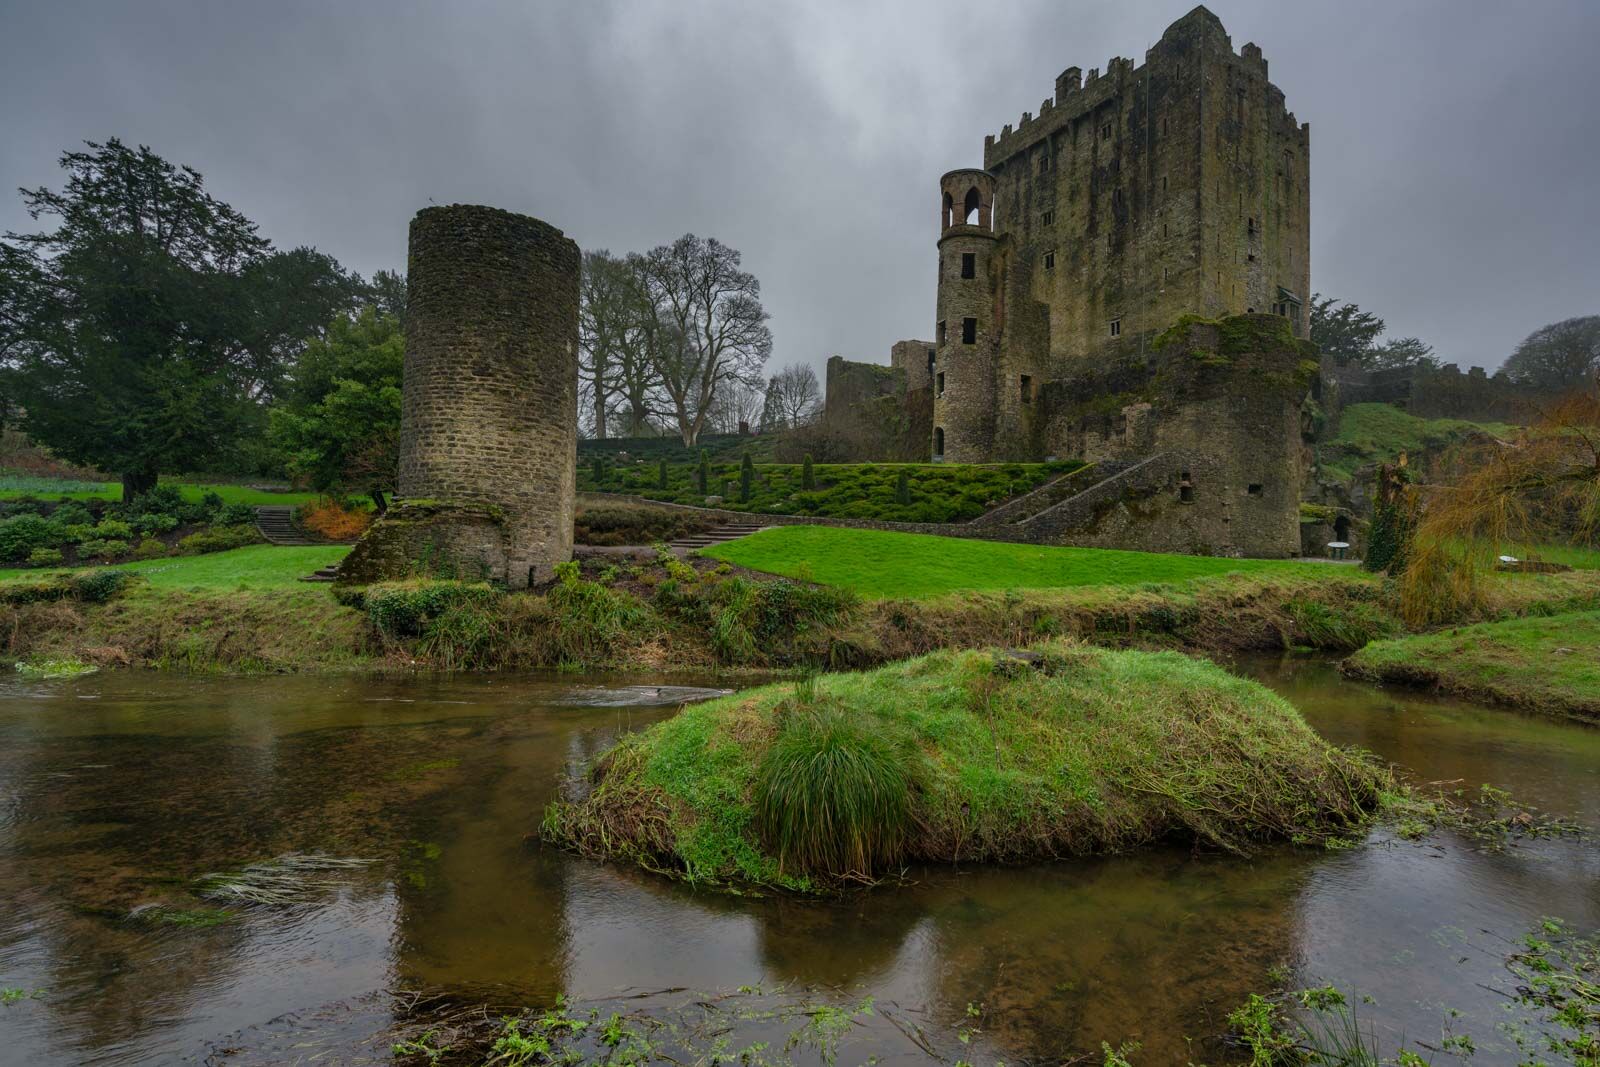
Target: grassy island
x,y
1540,663
979,756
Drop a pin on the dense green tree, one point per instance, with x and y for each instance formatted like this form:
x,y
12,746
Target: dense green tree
x,y
1401,352
339,422
1343,330
1563,355
144,332
387,292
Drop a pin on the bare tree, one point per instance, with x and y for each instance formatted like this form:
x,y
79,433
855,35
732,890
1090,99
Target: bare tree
x,y
794,397
714,327
737,404
603,298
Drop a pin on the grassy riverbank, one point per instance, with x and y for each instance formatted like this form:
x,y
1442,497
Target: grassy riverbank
x,y
244,610
882,563
1548,664
971,755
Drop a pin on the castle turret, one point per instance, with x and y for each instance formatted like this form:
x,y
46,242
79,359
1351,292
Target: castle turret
x,y
968,333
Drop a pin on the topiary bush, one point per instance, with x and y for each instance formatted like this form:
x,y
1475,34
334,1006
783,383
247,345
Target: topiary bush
x,y
46,557
150,548
218,539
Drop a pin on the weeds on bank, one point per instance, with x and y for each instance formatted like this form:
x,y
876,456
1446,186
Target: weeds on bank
x,y
1489,817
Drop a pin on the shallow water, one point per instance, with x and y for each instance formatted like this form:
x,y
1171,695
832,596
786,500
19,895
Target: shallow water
x,y
118,790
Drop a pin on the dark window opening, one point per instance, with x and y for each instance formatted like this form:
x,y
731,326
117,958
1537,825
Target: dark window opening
x,y
1027,389
1044,162
1249,311
1185,489
1254,489
949,210
939,334
1252,227
1163,274
1341,529
1105,132
1165,232
938,383
930,361
938,442
1049,261
969,264
1116,327
1049,218
969,331
970,209
1163,183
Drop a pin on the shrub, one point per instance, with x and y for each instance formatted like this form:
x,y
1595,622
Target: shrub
x,y
747,477
46,557
21,534
808,475
150,548
98,586
155,523
109,548
590,618
113,530
405,609
902,488
662,477
71,513
703,478
236,515
332,519
218,539
632,525
831,797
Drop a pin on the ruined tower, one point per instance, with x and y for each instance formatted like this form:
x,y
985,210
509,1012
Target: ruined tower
x,y
488,438
1133,198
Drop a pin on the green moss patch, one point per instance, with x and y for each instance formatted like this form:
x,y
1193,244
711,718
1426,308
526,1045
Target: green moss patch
x,y
1378,433
982,756
1548,664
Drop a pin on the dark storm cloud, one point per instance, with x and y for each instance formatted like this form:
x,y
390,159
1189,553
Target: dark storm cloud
x,y
1455,145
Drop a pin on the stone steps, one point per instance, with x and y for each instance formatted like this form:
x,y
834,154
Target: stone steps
x,y
727,532
326,574
276,523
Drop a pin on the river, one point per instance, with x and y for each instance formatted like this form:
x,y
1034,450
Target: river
x,y
118,790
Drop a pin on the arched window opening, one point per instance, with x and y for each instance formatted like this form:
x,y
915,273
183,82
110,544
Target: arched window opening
x,y
949,210
1341,528
938,442
970,209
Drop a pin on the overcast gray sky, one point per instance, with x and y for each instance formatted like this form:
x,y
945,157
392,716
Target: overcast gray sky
x,y
1455,145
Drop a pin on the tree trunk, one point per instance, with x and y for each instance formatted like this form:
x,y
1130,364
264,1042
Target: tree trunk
x,y
137,483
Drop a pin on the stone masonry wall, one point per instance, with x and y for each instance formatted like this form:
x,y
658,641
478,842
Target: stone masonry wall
x,y
489,408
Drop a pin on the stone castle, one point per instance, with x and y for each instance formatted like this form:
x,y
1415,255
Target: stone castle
x,y
1125,280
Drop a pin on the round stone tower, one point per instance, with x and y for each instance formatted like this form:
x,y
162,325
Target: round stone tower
x,y
967,337
489,410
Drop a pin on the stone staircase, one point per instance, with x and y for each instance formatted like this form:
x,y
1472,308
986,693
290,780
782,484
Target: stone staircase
x,y
726,532
325,574
276,523
1021,509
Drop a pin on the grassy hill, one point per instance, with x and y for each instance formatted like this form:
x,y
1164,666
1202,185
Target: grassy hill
x,y
1377,433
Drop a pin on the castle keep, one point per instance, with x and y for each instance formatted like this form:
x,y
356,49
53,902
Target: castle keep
x,y
1133,198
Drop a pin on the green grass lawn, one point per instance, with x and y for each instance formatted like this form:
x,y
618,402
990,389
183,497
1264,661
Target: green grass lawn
x,y
254,567
14,486
881,563
1546,663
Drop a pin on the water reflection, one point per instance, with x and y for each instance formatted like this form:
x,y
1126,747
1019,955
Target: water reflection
x,y
118,789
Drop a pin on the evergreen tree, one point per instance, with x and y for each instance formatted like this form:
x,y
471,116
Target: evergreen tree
x,y
661,474
147,328
902,487
808,477
747,477
704,478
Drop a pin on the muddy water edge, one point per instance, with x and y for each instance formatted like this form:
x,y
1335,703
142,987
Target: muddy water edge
x,y
121,792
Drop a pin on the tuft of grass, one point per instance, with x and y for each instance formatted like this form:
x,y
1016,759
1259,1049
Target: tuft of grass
x,y
877,563
1071,751
293,878
832,798
58,666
